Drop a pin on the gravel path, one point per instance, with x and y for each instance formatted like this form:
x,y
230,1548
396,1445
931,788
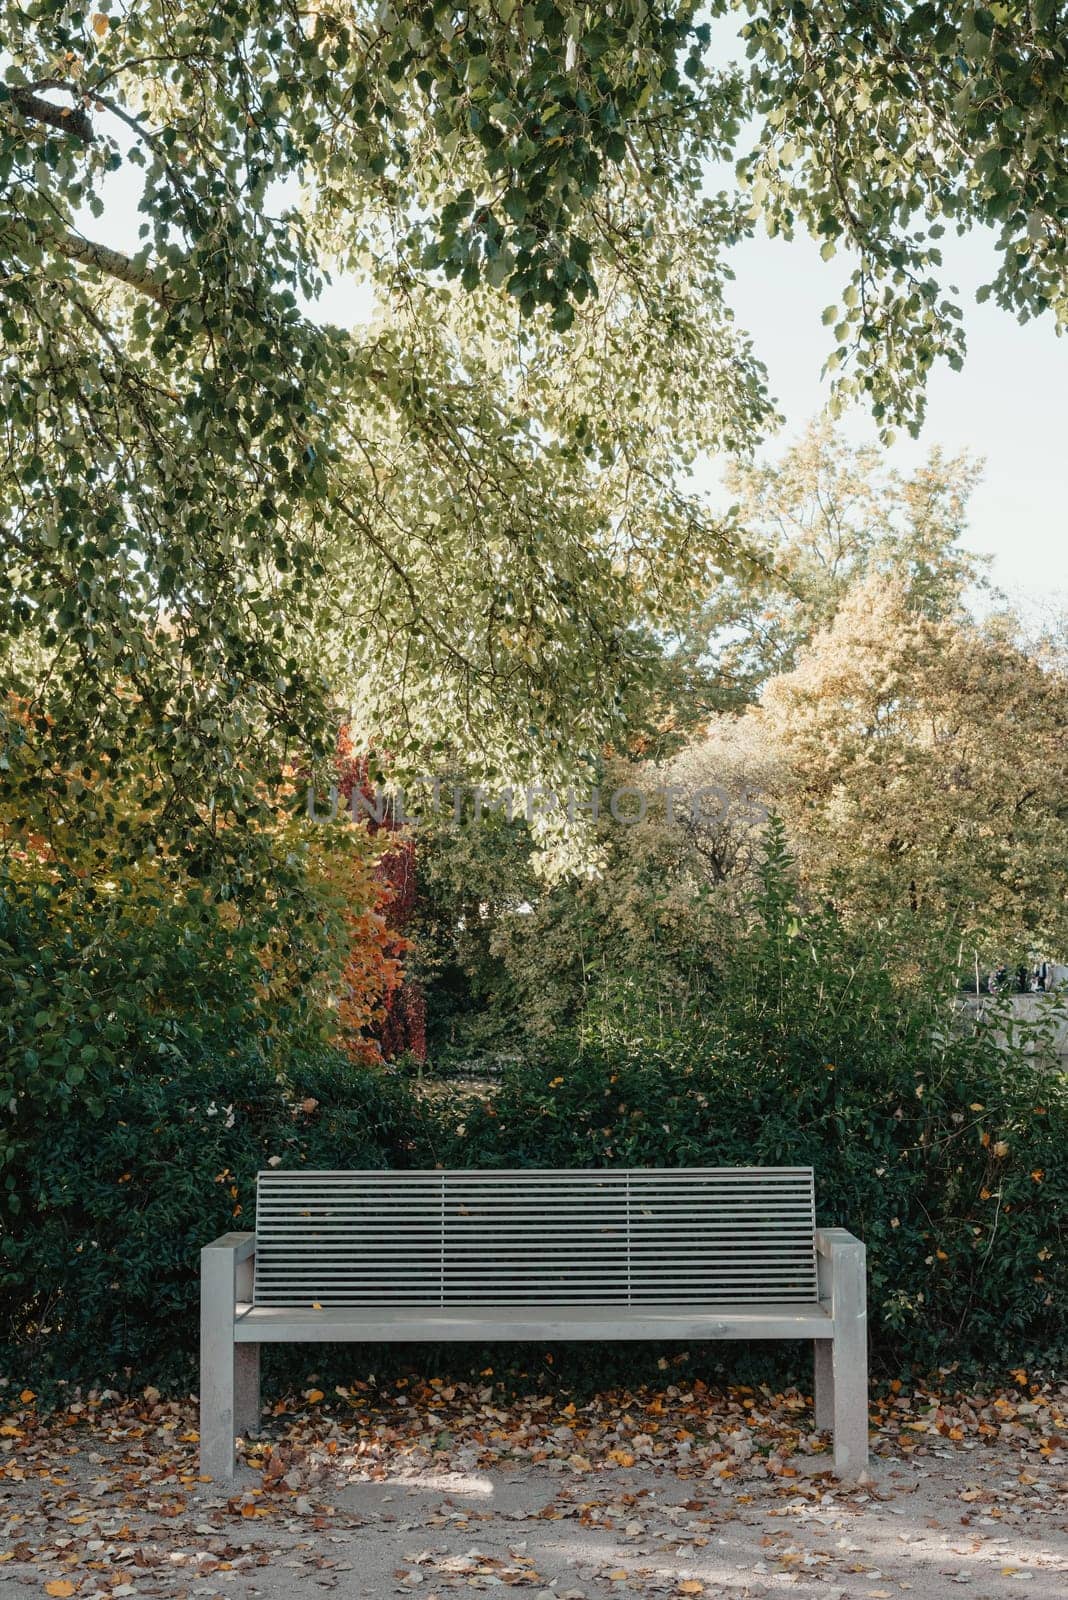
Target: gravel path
x,y
112,1507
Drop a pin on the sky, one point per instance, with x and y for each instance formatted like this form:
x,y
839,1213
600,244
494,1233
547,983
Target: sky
x,y
1008,406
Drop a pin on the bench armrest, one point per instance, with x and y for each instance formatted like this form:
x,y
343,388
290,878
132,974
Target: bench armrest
x,y
226,1275
828,1240
243,1245
840,1272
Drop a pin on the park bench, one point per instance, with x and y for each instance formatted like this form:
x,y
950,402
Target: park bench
x,y
644,1253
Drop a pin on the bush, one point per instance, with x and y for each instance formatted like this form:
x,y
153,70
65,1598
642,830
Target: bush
x,y
943,1151
107,1207
159,1028
940,1148
965,1239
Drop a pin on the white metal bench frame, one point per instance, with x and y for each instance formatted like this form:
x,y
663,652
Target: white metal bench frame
x,y
643,1253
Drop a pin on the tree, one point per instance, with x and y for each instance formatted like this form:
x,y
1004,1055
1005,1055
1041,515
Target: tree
x,y
226,522
401,1024
513,952
882,124
821,519
923,773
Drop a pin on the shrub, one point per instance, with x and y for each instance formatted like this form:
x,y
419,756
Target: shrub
x,y
106,1207
963,1209
940,1148
931,1142
159,1035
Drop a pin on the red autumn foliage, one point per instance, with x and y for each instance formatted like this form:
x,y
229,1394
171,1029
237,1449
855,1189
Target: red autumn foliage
x,y
402,1027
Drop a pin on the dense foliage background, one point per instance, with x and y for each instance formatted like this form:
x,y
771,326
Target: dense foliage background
x,y
927,1139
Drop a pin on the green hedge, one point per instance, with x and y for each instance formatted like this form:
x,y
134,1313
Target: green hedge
x,y
966,1249
106,1207
944,1152
110,1205
819,1043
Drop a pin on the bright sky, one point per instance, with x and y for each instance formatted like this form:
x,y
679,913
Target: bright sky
x,y
1008,405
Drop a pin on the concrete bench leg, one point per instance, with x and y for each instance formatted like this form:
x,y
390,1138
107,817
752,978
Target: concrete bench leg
x,y
842,1370
823,1391
247,1390
229,1372
849,1359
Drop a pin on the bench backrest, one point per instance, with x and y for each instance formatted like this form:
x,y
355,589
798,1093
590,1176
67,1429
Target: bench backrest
x,y
642,1236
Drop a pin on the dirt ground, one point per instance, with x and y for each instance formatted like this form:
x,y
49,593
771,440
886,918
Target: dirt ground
x,y
447,1491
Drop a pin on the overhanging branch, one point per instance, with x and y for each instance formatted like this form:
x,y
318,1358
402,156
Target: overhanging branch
x,y
113,263
68,119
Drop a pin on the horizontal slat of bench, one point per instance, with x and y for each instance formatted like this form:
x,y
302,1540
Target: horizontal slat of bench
x,y
640,1237
275,1325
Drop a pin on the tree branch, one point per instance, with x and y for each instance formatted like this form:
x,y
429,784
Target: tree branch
x,y
68,119
113,263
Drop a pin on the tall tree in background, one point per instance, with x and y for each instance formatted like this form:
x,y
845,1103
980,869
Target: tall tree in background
x,y
921,767
820,519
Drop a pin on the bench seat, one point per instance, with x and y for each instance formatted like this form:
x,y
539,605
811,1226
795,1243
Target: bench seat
x,y
411,1324
688,1253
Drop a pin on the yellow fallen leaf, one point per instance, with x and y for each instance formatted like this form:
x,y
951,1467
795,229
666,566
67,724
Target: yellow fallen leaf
x,y
26,1396
619,1575
622,1458
59,1586
313,1396
691,1586
316,1306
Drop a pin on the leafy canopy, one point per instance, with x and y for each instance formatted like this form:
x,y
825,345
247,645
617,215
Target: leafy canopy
x,y
466,519
885,123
